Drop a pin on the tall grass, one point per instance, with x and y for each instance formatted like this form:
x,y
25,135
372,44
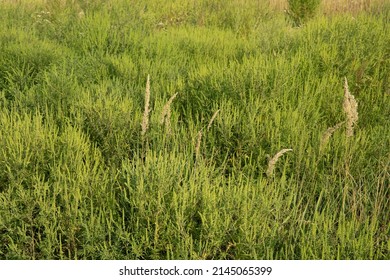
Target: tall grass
x,y
97,164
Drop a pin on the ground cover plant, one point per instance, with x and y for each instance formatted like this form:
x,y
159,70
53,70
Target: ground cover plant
x,y
194,130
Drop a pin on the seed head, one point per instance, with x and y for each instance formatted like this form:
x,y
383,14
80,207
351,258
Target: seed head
x,y
272,162
350,109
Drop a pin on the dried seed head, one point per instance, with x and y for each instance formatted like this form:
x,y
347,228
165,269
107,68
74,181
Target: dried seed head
x,y
272,162
166,113
198,142
350,109
145,119
212,119
328,133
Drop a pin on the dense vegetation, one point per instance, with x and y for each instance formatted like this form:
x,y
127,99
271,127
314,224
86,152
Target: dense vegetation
x,y
89,170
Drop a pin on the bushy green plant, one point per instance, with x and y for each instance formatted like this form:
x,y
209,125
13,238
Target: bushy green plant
x,y
209,176
299,11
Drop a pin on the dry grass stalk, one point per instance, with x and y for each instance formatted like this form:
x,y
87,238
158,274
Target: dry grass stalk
x,y
272,162
166,113
198,142
145,119
328,133
350,108
212,119
167,108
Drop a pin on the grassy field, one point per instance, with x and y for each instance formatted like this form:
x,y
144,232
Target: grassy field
x,y
276,145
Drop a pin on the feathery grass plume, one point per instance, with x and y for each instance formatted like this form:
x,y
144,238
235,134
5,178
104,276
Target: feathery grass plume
x,y
145,119
350,108
272,162
198,142
166,113
328,133
212,119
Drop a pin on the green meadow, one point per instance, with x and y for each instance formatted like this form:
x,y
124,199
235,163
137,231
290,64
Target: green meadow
x,y
210,129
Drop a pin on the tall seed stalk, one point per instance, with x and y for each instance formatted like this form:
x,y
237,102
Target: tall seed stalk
x,y
212,119
328,133
145,119
272,162
198,143
166,114
350,109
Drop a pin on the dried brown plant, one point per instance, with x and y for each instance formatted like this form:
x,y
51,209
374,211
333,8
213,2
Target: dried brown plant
x,y
272,162
166,113
328,133
198,142
145,119
350,109
212,119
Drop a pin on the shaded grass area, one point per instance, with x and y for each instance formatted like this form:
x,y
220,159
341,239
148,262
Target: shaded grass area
x,y
78,180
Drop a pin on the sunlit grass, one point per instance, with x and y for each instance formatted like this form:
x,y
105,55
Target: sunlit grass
x,y
163,131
